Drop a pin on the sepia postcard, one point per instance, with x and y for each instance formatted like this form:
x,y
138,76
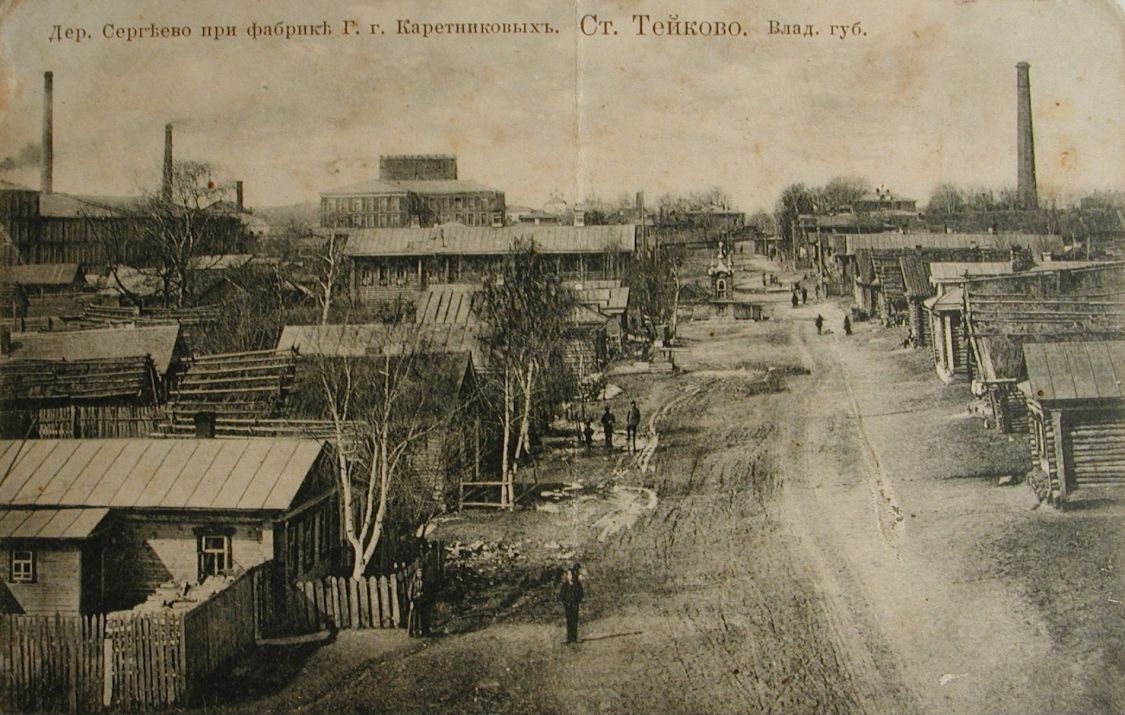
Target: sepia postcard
x,y
514,356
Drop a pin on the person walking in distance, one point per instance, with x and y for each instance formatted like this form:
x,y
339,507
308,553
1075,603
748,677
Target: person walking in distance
x,y
570,593
608,422
795,299
804,295
819,324
631,423
588,433
847,325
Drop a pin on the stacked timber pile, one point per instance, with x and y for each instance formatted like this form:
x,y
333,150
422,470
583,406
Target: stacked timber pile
x,y
114,315
237,388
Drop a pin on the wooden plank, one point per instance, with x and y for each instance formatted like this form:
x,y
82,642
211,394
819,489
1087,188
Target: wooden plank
x,y
353,602
364,606
396,612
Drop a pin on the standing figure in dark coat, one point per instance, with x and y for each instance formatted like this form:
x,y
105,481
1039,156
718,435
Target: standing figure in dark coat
x,y
795,300
847,325
608,422
631,423
570,593
588,433
804,295
819,324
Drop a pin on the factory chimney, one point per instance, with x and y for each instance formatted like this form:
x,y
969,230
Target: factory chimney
x,y
46,180
166,184
238,196
1026,189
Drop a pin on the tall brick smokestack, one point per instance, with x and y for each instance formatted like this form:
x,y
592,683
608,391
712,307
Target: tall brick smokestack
x,y
238,195
1026,188
46,179
166,183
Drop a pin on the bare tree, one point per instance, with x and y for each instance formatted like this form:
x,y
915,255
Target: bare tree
x,y
527,312
946,200
171,238
383,408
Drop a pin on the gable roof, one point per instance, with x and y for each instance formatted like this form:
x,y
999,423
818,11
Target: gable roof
x,y
1037,243
1075,370
40,380
340,341
223,474
42,274
453,240
915,277
50,523
157,341
956,271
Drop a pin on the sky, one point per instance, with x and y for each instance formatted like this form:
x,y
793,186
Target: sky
x,y
926,96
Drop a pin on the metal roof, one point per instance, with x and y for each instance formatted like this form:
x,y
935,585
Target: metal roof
x,y
49,523
449,304
42,274
1035,242
453,240
1076,370
157,341
375,339
956,271
949,301
225,474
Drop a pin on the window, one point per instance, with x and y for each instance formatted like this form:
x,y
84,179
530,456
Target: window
x,y
214,555
23,566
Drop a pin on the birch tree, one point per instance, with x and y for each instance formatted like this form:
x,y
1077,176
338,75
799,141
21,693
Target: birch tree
x,y
527,312
382,408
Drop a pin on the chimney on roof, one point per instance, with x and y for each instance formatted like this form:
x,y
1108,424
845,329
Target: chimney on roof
x,y
238,196
1026,189
166,184
46,180
205,425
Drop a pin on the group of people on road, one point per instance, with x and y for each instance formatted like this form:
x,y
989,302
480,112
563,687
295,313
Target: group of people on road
x,y
609,422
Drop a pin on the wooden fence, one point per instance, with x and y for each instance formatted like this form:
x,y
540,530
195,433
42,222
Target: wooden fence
x,y
127,662
337,602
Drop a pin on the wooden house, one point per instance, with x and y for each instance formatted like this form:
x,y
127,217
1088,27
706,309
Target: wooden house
x,y
88,383
392,263
1048,303
98,525
1076,404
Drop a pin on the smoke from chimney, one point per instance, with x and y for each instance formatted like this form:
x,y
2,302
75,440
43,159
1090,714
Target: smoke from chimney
x,y
1025,137
46,180
166,184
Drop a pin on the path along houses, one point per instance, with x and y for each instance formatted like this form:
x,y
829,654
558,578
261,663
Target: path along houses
x,y
91,526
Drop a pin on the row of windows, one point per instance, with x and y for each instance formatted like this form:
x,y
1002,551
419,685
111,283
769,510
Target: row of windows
x,y
364,203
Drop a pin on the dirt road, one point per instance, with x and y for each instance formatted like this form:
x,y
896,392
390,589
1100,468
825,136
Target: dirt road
x,y
831,540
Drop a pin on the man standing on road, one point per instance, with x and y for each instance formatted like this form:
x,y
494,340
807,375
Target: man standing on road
x,y
608,422
819,324
795,300
631,423
804,295
847,325
570,593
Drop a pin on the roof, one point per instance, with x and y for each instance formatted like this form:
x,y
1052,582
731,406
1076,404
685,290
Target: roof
x,y
223,474
1035,242
915,277
220,262
481,240
956,271
336,340
949,301
448,303
42,274
49,523
38,380
607,299
1075,370
417,186
157,341
72,206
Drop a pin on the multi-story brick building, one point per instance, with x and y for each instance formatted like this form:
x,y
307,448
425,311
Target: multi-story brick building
x,y
412,191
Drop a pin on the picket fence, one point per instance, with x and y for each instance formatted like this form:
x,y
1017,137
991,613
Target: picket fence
x,y
129,662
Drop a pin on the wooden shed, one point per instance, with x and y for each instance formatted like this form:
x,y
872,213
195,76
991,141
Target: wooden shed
x,y
1077,413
